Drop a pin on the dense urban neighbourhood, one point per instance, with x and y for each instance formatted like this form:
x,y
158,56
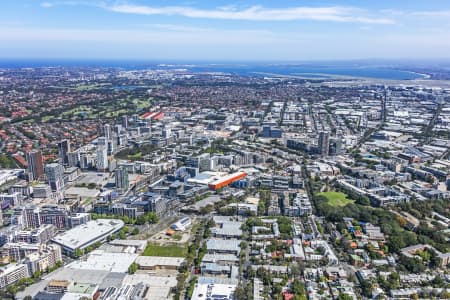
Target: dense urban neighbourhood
x,y
161,184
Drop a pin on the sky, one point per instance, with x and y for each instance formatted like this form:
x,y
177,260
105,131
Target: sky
x,y
250,30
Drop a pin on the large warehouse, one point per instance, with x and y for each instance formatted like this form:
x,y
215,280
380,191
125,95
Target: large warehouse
x,y
216,180
226,180
87,234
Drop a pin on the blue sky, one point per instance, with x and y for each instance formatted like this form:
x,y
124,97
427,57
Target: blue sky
x,y
225,30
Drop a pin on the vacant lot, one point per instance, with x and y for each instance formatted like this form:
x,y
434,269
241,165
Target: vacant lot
x,y
336,199
166,250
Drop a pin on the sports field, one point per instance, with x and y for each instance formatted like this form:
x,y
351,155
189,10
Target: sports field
x,y
167,250
336,199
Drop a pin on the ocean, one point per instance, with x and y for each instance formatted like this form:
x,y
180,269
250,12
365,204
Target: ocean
x,y
309,70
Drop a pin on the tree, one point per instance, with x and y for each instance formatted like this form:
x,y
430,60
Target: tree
x,y
296,269
298,288
12,289
239,293
153,217
343,296
141,220
132,268
78,252
367,288
36,275
135,231
363,200
445,294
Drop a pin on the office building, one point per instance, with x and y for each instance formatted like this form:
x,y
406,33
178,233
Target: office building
x,y
125,122
12,273
53,214
35,164
42,191
335,146
12,199
78,219
117,129
108,132
102,141
102,158
122,182
26,217
112,146
55,176
44,259
166,132
73,159
63,150
156,203
271,132
202,162
39,235
324,143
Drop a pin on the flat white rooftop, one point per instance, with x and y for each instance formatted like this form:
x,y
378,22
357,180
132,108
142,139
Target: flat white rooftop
x,y
159,286
207,177
85,234
214,291
100,260
153,261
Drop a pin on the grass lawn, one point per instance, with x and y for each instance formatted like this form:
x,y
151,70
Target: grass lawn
x,y
47,118
177,236
336,199
142,104
135,156
169,250
88,87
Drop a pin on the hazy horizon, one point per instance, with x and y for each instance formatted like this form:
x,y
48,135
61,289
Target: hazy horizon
x,y
253,30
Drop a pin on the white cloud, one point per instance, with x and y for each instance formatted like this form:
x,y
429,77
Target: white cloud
x,y
257,13
46,4
169,34
432,13
173,41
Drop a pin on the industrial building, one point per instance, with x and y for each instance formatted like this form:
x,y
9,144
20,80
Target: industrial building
x,y
226,180
87,234
214,291
182,224
159,262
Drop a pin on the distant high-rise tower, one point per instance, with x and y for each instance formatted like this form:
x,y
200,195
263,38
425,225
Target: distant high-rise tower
x,y
55,176
125,122
63,150
112,147
35,164
108,132
102,158
122,182
102,141
324,143
117,129
335,146
166,131
73,159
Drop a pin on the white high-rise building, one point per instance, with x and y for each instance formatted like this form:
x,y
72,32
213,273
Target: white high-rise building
x,y
108,132
102,158
102,141
55,176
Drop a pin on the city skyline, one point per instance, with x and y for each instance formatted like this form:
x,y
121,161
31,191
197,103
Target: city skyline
x,y
225,30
